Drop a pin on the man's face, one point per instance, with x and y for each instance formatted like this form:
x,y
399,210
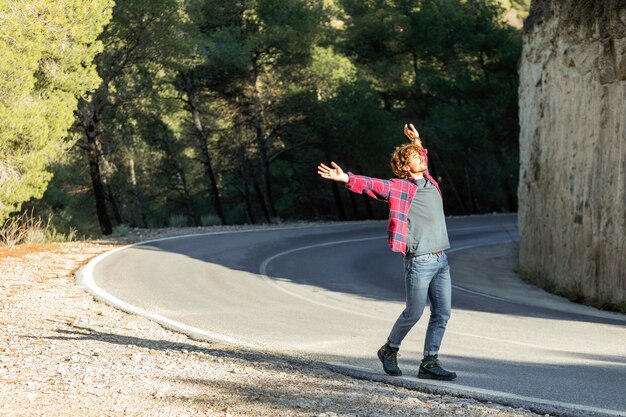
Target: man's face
x,y
417,163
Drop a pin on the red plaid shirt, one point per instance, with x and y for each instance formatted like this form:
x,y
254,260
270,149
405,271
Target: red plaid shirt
x,y
398,193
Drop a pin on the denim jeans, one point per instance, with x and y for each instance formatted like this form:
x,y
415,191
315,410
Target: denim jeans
x,y
427,277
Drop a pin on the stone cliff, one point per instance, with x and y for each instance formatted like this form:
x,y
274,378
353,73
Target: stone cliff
x,y
572,189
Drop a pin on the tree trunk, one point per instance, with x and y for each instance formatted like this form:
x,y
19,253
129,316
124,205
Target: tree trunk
x,y
247,179
191,213
98,188
204,149
90,120
414,61
260,141
246,197
180,173
259,193
139,207
116,211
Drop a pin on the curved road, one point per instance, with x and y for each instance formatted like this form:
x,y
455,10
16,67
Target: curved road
x,y
333,292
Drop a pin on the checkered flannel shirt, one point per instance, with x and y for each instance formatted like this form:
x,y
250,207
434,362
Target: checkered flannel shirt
x,y
398,193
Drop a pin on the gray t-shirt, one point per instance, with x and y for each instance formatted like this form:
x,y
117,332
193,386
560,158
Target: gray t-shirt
x,y
427,230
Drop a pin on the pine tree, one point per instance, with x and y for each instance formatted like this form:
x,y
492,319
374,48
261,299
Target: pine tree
x,y
142,38
47,49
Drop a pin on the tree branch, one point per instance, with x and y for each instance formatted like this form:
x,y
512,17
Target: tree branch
x,y
289,148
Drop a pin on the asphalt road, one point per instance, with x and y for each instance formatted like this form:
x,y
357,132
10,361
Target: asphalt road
x,y
333,293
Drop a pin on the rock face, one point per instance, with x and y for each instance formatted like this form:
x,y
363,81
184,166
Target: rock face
x,y
572,189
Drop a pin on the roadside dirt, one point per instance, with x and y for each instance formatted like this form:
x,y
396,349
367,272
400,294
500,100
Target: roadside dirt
x,y
63,353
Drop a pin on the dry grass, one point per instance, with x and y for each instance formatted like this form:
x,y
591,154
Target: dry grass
x,y
25,228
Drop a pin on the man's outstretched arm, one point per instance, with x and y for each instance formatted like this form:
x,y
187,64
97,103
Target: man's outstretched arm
x,y
374,187
334,174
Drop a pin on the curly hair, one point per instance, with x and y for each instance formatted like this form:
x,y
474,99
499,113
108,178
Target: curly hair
x,y
400,158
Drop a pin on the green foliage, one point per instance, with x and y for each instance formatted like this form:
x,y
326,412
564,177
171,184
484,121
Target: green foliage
x,y
209,220
275,87
450,66
121,229
47,50
68,200
520,6
178,220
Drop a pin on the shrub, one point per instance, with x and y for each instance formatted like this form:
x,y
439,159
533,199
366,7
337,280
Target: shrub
x,y
178,220
121,229
26,228
209,220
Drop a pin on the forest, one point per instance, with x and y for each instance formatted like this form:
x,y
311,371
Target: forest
x,y
162,113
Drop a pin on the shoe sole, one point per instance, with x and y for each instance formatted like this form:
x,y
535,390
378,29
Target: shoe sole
x,y
380,356
438,378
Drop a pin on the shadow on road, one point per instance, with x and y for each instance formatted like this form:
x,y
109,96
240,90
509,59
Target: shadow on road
x,y
360,265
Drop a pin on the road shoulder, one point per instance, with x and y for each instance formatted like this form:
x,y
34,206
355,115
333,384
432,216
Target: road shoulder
x,y
492,270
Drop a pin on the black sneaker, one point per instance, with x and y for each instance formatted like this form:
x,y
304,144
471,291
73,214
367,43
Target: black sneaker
x,y
389,357
431,369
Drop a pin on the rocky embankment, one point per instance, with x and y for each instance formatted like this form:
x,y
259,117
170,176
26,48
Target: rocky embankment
x,y
573,149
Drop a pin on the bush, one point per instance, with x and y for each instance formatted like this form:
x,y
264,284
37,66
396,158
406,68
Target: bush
x,y
178,220
121,229
209,220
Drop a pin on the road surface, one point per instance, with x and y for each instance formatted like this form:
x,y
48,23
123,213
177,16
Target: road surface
x,y
333,293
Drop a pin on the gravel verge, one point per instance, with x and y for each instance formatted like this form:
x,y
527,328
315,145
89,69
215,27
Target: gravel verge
x,y
63,353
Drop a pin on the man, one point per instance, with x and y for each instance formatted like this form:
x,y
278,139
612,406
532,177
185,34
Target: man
x,y
417,229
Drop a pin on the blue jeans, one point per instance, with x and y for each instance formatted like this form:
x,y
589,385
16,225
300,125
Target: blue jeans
x,y
427,277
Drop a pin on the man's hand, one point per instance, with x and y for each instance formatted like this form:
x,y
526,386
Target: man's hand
x,y
411,133
335,173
